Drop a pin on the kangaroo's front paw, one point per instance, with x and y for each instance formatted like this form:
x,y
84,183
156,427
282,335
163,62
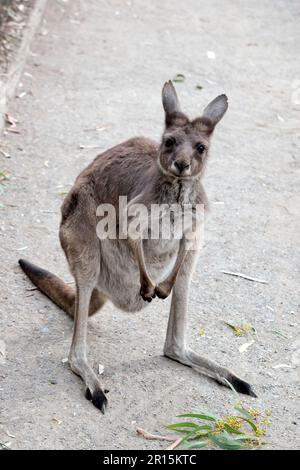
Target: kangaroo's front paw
x,y
147,291
163,290
98,398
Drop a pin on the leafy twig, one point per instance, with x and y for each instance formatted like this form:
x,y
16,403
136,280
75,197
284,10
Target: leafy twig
x,y
234,432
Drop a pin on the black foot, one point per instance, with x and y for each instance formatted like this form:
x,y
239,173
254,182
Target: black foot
x,y
242,387
98,399
147,293
161,293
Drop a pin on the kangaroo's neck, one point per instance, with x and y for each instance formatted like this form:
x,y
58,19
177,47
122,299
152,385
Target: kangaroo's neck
x,y
171,190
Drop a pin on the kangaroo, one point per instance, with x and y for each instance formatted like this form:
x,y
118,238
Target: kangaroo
x,y
131,272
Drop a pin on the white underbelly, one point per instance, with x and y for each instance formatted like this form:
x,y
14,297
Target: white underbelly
x,y
119,275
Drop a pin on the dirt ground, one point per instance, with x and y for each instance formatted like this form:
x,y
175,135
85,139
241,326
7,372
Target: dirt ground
x,y
13,19
102,64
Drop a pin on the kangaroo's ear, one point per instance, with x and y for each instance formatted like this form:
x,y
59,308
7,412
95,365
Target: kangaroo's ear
x,y
170,99
216,109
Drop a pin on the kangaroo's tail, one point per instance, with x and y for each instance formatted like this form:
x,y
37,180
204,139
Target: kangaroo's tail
x,y
57,290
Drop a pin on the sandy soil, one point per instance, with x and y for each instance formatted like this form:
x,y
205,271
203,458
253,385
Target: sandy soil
x,y
102,64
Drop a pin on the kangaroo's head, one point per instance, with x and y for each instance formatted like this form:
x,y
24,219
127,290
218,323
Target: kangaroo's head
x,y
185,144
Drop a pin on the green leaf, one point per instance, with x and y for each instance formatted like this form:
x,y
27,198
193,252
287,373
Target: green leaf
x,y
205,416
249,421
179,427
4,176
227,443
278,333
205,427
192,435
247,437
197,445
4,446
232,430
233,327
229,384
179,78
243,412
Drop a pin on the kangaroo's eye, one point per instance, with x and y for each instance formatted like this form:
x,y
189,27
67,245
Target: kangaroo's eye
x,y
200,148
169,142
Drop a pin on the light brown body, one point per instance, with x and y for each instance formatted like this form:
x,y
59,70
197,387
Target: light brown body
x,y
130,272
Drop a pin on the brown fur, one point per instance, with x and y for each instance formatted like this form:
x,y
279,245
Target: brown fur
x,y
130,272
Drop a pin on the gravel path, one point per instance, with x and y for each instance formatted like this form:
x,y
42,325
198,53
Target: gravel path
x,y
102,64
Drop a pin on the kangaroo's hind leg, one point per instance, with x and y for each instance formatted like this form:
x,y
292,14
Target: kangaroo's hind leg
x,y
88,301
175,345
98,300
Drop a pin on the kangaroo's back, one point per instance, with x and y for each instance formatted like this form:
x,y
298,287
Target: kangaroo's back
x,y
120,171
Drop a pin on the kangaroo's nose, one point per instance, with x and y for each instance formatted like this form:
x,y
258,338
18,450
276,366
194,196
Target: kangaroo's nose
x,y
181,165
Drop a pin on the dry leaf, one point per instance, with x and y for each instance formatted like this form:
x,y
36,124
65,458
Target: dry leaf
x,y
4,176
82,147
5,154
241,330
175,444
154,437
56,420
10,120
245,346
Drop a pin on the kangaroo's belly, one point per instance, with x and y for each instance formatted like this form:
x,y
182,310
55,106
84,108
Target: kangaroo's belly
x,y
119,274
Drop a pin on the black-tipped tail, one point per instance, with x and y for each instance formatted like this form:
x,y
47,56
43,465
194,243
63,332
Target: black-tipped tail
x,y
50,285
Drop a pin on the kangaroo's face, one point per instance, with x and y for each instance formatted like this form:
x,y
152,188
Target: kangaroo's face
x,y
184,149
185,144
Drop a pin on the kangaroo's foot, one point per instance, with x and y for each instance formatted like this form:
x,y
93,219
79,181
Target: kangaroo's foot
x,y
147,291
94,392
97,397
210,368
163,290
